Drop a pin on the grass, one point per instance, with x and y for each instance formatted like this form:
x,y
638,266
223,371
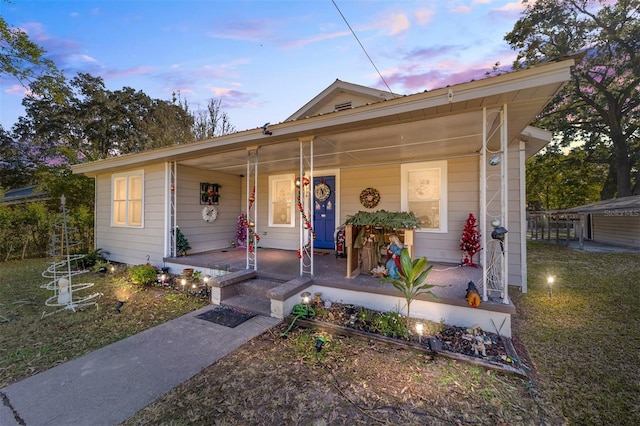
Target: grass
x,y
30,343
585,338
583,342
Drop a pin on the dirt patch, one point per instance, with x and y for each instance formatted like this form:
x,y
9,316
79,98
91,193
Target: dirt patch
x,y
349,381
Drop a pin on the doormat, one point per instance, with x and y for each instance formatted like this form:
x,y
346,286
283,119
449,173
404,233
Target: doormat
x,y
227,316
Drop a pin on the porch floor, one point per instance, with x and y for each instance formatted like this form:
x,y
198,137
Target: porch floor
x,y
330,271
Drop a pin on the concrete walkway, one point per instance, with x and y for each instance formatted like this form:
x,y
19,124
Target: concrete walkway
x,y
111,384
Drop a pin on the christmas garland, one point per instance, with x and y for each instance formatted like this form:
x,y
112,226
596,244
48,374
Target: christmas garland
x,y
252,237
369,197
307,222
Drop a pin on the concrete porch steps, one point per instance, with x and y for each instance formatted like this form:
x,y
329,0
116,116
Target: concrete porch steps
x,y
251,295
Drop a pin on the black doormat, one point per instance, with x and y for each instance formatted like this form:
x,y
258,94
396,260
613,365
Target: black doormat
x,y
227,316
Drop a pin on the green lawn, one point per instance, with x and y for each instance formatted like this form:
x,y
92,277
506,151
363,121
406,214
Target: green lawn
x,y
585,338
30,343
584,342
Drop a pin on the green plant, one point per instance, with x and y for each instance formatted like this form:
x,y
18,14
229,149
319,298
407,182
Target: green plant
x,y
143,274
391,324
412,279
182,244
384,219
197,274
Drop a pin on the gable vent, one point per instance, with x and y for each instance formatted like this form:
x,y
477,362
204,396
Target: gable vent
x,y
343,106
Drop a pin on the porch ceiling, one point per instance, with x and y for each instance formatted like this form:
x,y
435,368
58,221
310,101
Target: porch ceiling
x,y
440,124
432,133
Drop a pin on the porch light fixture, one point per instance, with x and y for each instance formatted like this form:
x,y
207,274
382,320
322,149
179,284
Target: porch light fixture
x,y
550,280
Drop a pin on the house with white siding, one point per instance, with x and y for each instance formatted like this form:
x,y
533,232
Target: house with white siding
x,y
442,154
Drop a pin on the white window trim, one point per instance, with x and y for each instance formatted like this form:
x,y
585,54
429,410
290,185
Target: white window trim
x,y
128,176
404,186
292,197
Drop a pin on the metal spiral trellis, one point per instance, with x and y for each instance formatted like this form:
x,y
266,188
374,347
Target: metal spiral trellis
x,y
64,267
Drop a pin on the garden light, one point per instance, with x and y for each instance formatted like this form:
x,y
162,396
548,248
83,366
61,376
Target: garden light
x,y
419,329
183,281
550,280
119,305
306,297
319,343
113,268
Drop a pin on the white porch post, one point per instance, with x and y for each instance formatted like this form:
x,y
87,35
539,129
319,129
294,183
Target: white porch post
x,y
171,216
303,198
504,176
252,208
483,205
523,214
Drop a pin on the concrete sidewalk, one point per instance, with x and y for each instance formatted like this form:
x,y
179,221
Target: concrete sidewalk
x,y
111,384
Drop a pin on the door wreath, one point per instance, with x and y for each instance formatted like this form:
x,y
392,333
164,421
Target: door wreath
x,y
369,197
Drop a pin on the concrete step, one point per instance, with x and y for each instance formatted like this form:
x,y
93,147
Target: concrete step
x,y
257,287
258,305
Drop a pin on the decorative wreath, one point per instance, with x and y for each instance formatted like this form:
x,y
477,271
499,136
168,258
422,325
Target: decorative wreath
x,y
209,213
369,197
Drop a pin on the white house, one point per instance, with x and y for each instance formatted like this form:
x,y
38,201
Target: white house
x,y
442,154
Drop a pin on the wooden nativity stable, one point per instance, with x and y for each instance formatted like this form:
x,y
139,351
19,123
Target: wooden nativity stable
x,y
441,154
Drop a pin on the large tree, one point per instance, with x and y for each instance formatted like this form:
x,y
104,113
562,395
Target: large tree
x,y
600,106
557,180
92,123
211,122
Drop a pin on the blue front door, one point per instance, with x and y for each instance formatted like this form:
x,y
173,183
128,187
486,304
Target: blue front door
x,y
324,206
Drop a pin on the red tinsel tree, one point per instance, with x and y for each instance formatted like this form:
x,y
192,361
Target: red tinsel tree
x,y
470,241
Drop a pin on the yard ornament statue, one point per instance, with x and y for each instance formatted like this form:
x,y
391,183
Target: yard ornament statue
x,y
473,296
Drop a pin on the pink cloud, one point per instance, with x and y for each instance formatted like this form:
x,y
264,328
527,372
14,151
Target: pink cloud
x,y
398,23
17,89
127,72
461,9
423,16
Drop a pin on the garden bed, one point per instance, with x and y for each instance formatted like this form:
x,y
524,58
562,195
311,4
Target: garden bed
x,y
391,328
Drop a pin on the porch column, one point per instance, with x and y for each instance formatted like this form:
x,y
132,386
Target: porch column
x,y
252,209
171,216
494,203
504,177
303,198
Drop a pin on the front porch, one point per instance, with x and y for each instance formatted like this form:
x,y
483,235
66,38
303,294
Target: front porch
x,y
282,268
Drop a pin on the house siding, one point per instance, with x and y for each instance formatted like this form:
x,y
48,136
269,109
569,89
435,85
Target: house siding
x,y
127,244
616,230
203,235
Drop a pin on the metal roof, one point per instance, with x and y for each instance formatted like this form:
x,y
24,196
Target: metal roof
x,y
631,203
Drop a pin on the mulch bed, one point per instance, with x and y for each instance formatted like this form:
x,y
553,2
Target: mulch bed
x,y
451,341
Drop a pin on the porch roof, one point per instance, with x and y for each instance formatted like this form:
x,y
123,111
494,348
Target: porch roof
x,y
439,124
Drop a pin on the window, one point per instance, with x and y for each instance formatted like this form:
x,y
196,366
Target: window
x,y
424,192
281,205
127,199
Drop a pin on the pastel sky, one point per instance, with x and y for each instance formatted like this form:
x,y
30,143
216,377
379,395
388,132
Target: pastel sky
x,y
263,59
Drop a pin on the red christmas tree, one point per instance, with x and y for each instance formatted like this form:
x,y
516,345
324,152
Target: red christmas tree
x,y
470,241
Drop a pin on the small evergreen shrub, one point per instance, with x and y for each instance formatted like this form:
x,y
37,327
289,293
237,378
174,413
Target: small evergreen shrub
x,y
143,274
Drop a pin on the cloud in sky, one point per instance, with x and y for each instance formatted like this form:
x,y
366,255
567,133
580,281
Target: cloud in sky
x,y
270,57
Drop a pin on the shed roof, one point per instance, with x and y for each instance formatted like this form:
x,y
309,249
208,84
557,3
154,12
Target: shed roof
x,y
631,203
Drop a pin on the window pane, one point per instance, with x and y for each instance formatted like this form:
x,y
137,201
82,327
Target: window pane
x,y
119,212
135,213
120,189
424,185
427,212
135,188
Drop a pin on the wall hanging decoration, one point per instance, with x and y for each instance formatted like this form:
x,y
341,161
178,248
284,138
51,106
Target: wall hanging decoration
x,y
209,193
369,197
209,214
322,191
